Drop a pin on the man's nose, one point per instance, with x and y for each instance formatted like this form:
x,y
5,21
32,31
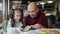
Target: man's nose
x,y
18,17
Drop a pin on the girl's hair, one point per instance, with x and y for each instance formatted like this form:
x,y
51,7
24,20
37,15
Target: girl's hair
x,y
12,16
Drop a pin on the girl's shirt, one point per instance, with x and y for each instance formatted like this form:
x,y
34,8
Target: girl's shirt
x,y
18,24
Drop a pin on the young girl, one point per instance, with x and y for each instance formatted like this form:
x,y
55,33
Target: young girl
x,y
15,19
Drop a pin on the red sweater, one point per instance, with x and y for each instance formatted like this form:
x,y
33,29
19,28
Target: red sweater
x,y
41,19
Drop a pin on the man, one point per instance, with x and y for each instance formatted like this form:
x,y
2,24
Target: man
x,y
36,18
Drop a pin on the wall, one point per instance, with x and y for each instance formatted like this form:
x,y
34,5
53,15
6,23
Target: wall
x,y
0,16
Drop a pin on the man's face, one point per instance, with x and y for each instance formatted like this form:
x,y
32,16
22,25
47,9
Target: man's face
x,y
33,12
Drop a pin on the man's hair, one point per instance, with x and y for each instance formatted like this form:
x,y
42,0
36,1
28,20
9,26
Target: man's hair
x,y
32,4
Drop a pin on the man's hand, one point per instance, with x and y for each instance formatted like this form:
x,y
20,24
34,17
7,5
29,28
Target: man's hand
x,y
38,26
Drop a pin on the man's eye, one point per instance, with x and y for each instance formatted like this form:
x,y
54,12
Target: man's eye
x,y
31,11
17,15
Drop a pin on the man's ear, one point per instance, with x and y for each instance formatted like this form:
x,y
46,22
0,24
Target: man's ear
x,y
37,9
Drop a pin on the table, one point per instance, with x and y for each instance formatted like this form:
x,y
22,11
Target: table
x,y
57,31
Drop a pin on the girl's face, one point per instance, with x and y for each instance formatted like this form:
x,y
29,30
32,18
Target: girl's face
x,y
17,15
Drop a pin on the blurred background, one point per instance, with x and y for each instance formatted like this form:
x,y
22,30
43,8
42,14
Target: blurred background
x,y
51,8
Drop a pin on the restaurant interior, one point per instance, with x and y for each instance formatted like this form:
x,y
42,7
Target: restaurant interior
x,y
51,8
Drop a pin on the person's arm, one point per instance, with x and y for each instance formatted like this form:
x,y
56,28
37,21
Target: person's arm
x,y
44,20
43,23
37,26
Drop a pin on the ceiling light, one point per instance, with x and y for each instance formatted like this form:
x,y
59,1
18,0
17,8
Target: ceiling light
x,y
49,1
42,2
